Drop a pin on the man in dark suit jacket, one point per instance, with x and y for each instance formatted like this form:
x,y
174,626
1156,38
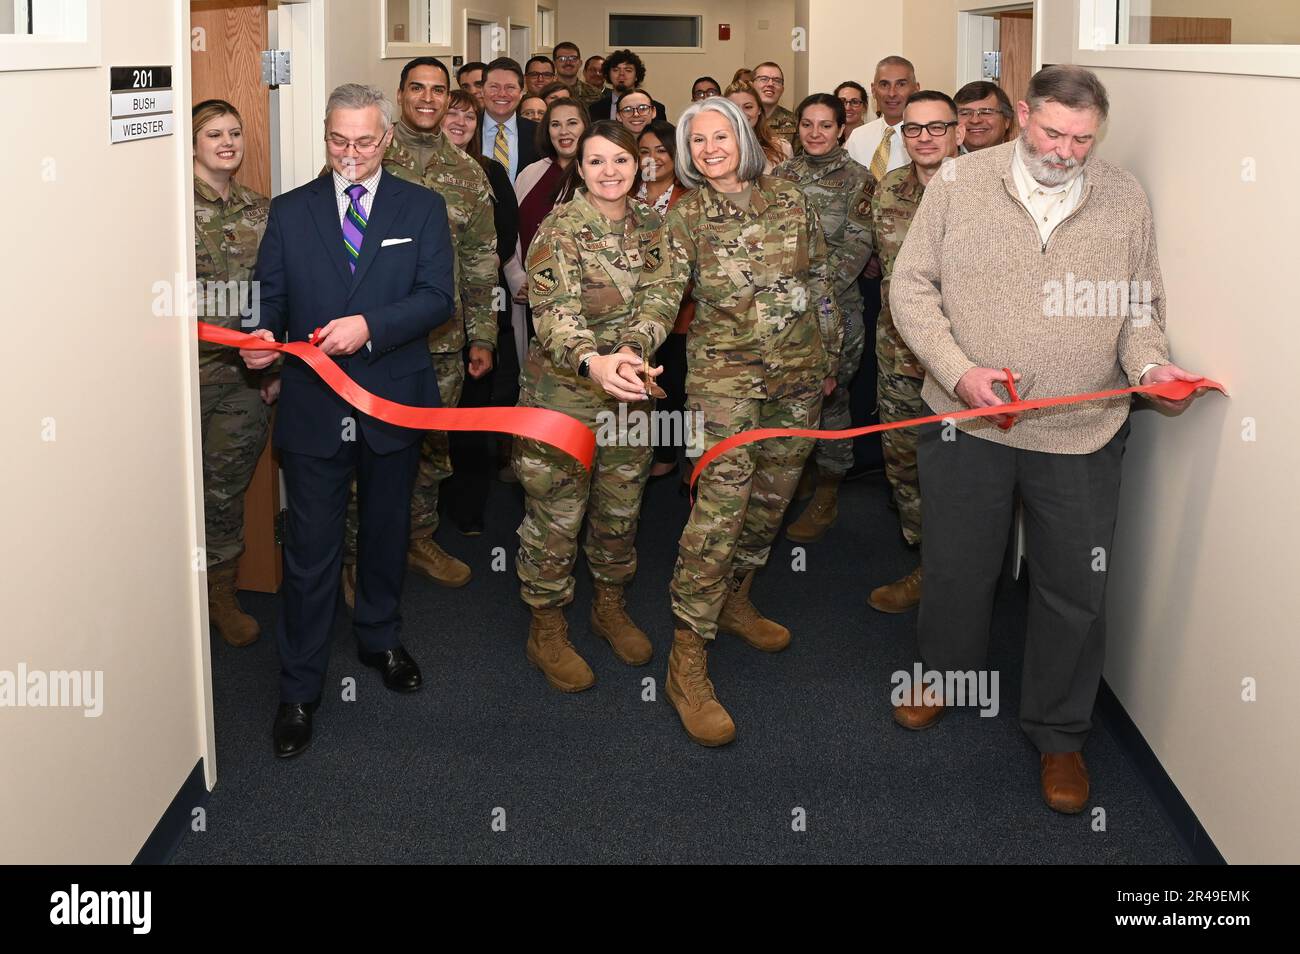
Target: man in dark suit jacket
x,y
363,260
624,72
503,88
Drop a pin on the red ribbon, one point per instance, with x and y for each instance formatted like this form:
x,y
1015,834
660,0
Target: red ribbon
x,y
1170,390
560,431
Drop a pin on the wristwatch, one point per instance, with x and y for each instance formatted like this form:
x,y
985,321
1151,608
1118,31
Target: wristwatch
x,y
584,367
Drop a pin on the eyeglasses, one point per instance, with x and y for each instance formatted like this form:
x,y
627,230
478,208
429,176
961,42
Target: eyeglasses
x,y
635,110
913,130
567,58
984,113
705,93
364,146
774,80
855,102
545,76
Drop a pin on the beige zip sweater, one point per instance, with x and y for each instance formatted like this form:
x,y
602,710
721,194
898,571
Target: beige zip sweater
x,y
975,286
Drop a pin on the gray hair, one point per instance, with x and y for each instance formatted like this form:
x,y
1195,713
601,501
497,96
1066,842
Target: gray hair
x,y
1071,86
359,96
752,159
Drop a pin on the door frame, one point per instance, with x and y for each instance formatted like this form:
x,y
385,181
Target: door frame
x,y
297,107
970,41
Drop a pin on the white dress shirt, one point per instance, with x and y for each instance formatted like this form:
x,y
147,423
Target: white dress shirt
x,y
864,141
1048,205
512,141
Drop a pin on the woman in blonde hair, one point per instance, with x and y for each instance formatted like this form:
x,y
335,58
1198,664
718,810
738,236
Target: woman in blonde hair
x,y
775,149
229,222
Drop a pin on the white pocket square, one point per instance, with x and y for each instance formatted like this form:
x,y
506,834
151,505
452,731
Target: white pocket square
x,y
387,242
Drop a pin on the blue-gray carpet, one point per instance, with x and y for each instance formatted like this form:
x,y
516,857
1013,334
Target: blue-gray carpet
x,y
604,776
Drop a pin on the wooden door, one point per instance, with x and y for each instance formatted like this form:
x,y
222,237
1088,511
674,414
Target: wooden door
x,y
226,63
1016,40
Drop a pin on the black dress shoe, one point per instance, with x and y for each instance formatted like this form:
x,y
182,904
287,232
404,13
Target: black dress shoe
x,y
399,670
292,731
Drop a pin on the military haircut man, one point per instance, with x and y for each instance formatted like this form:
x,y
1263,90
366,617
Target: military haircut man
x,y
421,154
932,135
769,80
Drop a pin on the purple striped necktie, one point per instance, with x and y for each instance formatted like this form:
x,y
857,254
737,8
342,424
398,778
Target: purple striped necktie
x,y
354,224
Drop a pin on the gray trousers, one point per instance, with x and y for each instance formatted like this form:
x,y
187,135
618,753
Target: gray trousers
x,y
967,504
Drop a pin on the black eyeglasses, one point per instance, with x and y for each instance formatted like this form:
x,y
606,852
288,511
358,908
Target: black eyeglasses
x,y
983,113
640,110
705,93
855,102
913,130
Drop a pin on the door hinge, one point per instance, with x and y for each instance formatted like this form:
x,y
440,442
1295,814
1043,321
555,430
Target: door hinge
x,y
275,67
992,65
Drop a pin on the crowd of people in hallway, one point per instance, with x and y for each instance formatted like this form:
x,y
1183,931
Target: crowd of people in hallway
x,y
572,249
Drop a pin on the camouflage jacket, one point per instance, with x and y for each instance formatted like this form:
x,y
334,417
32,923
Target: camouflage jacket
x,y
782,124
832,184
893,204
766,321
585,93
464,186
226,236
583,272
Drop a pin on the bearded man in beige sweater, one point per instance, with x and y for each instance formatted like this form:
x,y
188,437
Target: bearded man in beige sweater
x,y
1037,257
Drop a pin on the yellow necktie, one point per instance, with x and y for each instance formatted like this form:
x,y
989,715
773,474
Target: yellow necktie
x,y
501,148
880,161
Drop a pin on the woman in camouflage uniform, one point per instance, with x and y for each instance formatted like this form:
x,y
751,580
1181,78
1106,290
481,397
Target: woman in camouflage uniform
x,y
229,221
583,268
762,350
831,182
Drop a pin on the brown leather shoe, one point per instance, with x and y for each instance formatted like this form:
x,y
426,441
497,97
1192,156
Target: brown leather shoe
x,y
549,649
610,621
690,691
235,626
819,516
740,618
899,596
349,584
1064,778
915,714
436,563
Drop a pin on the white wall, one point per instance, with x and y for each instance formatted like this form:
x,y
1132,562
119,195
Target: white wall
x,y
101,523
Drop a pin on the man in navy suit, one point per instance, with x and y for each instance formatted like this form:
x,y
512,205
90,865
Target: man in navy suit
x,y
365,258
505,136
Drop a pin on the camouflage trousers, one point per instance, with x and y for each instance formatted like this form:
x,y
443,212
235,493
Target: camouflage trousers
x,y
836,457
234,420
741,499
435,462
899,397
560,493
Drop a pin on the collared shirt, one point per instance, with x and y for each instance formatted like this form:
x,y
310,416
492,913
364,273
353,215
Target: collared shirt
x,y
341,186
864,141
512,141
1047,204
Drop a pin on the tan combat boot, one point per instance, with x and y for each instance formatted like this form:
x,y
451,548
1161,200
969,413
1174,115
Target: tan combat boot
x,y
899,596
610,621
740,618
436,563
819,516
349,583
235,626
550,651
691,692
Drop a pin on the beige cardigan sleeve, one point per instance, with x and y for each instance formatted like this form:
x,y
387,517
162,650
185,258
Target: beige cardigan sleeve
x,y
1142,340
915,299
